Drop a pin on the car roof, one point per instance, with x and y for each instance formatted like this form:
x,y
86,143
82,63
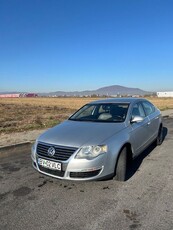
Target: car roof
x,y
127,100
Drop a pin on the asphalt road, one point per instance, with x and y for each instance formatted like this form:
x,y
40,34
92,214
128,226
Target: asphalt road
x,y
30,200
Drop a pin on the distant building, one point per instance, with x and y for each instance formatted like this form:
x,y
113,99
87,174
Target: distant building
x,y
136,95
165,94
31,95
14,95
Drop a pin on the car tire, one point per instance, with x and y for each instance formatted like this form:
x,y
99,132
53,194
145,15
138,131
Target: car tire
x,y
121,167
159,138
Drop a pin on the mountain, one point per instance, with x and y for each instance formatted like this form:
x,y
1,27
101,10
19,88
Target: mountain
x,y
112,90
121,90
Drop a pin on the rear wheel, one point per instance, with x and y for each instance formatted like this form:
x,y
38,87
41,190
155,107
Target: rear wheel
x,y
121,168
159,138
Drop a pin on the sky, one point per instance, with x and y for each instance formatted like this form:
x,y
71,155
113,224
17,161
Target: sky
x,y
52,45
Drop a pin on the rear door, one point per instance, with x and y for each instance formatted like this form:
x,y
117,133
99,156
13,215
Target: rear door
x,y
153,117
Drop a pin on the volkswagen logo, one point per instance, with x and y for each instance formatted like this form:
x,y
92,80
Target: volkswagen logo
x,y
51,151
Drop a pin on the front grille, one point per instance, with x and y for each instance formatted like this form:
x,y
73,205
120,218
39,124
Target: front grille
x,y
52,172
84,174
61,153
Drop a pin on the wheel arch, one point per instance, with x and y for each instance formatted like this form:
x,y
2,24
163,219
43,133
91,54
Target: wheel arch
x,y
129,154
161,125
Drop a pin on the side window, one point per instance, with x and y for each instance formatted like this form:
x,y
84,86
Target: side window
x,y
138,110
148,107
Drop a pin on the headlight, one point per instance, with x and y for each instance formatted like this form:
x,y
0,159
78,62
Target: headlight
x,y
90,152
33,149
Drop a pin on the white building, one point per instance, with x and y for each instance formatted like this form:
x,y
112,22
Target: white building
x,y
10,95
165,94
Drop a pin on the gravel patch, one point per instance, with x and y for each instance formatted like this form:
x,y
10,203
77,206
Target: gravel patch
x,y
15,138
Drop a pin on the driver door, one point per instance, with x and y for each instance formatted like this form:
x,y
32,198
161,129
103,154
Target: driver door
x,y
139,130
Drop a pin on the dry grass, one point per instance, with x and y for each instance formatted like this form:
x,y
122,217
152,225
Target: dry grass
x,y
68,103
162,103
21,114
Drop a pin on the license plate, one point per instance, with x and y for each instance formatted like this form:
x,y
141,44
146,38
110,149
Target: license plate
x,y
49,164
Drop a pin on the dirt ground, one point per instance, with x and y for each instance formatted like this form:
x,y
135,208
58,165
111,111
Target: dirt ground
x,y
18,137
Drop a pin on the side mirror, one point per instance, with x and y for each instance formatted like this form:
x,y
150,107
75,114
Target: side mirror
x,y
137,119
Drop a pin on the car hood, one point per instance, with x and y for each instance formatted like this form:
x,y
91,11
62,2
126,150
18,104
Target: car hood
x,y
79,133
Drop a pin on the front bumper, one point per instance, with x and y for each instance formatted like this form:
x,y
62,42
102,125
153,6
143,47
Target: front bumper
x,y
75,169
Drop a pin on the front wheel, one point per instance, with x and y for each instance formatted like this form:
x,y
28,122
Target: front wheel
x,y
121,168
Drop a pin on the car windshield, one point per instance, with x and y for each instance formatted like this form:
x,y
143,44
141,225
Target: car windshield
x,y
105,112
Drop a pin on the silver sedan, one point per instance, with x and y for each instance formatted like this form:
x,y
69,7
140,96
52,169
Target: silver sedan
x,y
99,140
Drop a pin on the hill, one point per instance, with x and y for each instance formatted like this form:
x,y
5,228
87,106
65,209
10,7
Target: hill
x,y
114,90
